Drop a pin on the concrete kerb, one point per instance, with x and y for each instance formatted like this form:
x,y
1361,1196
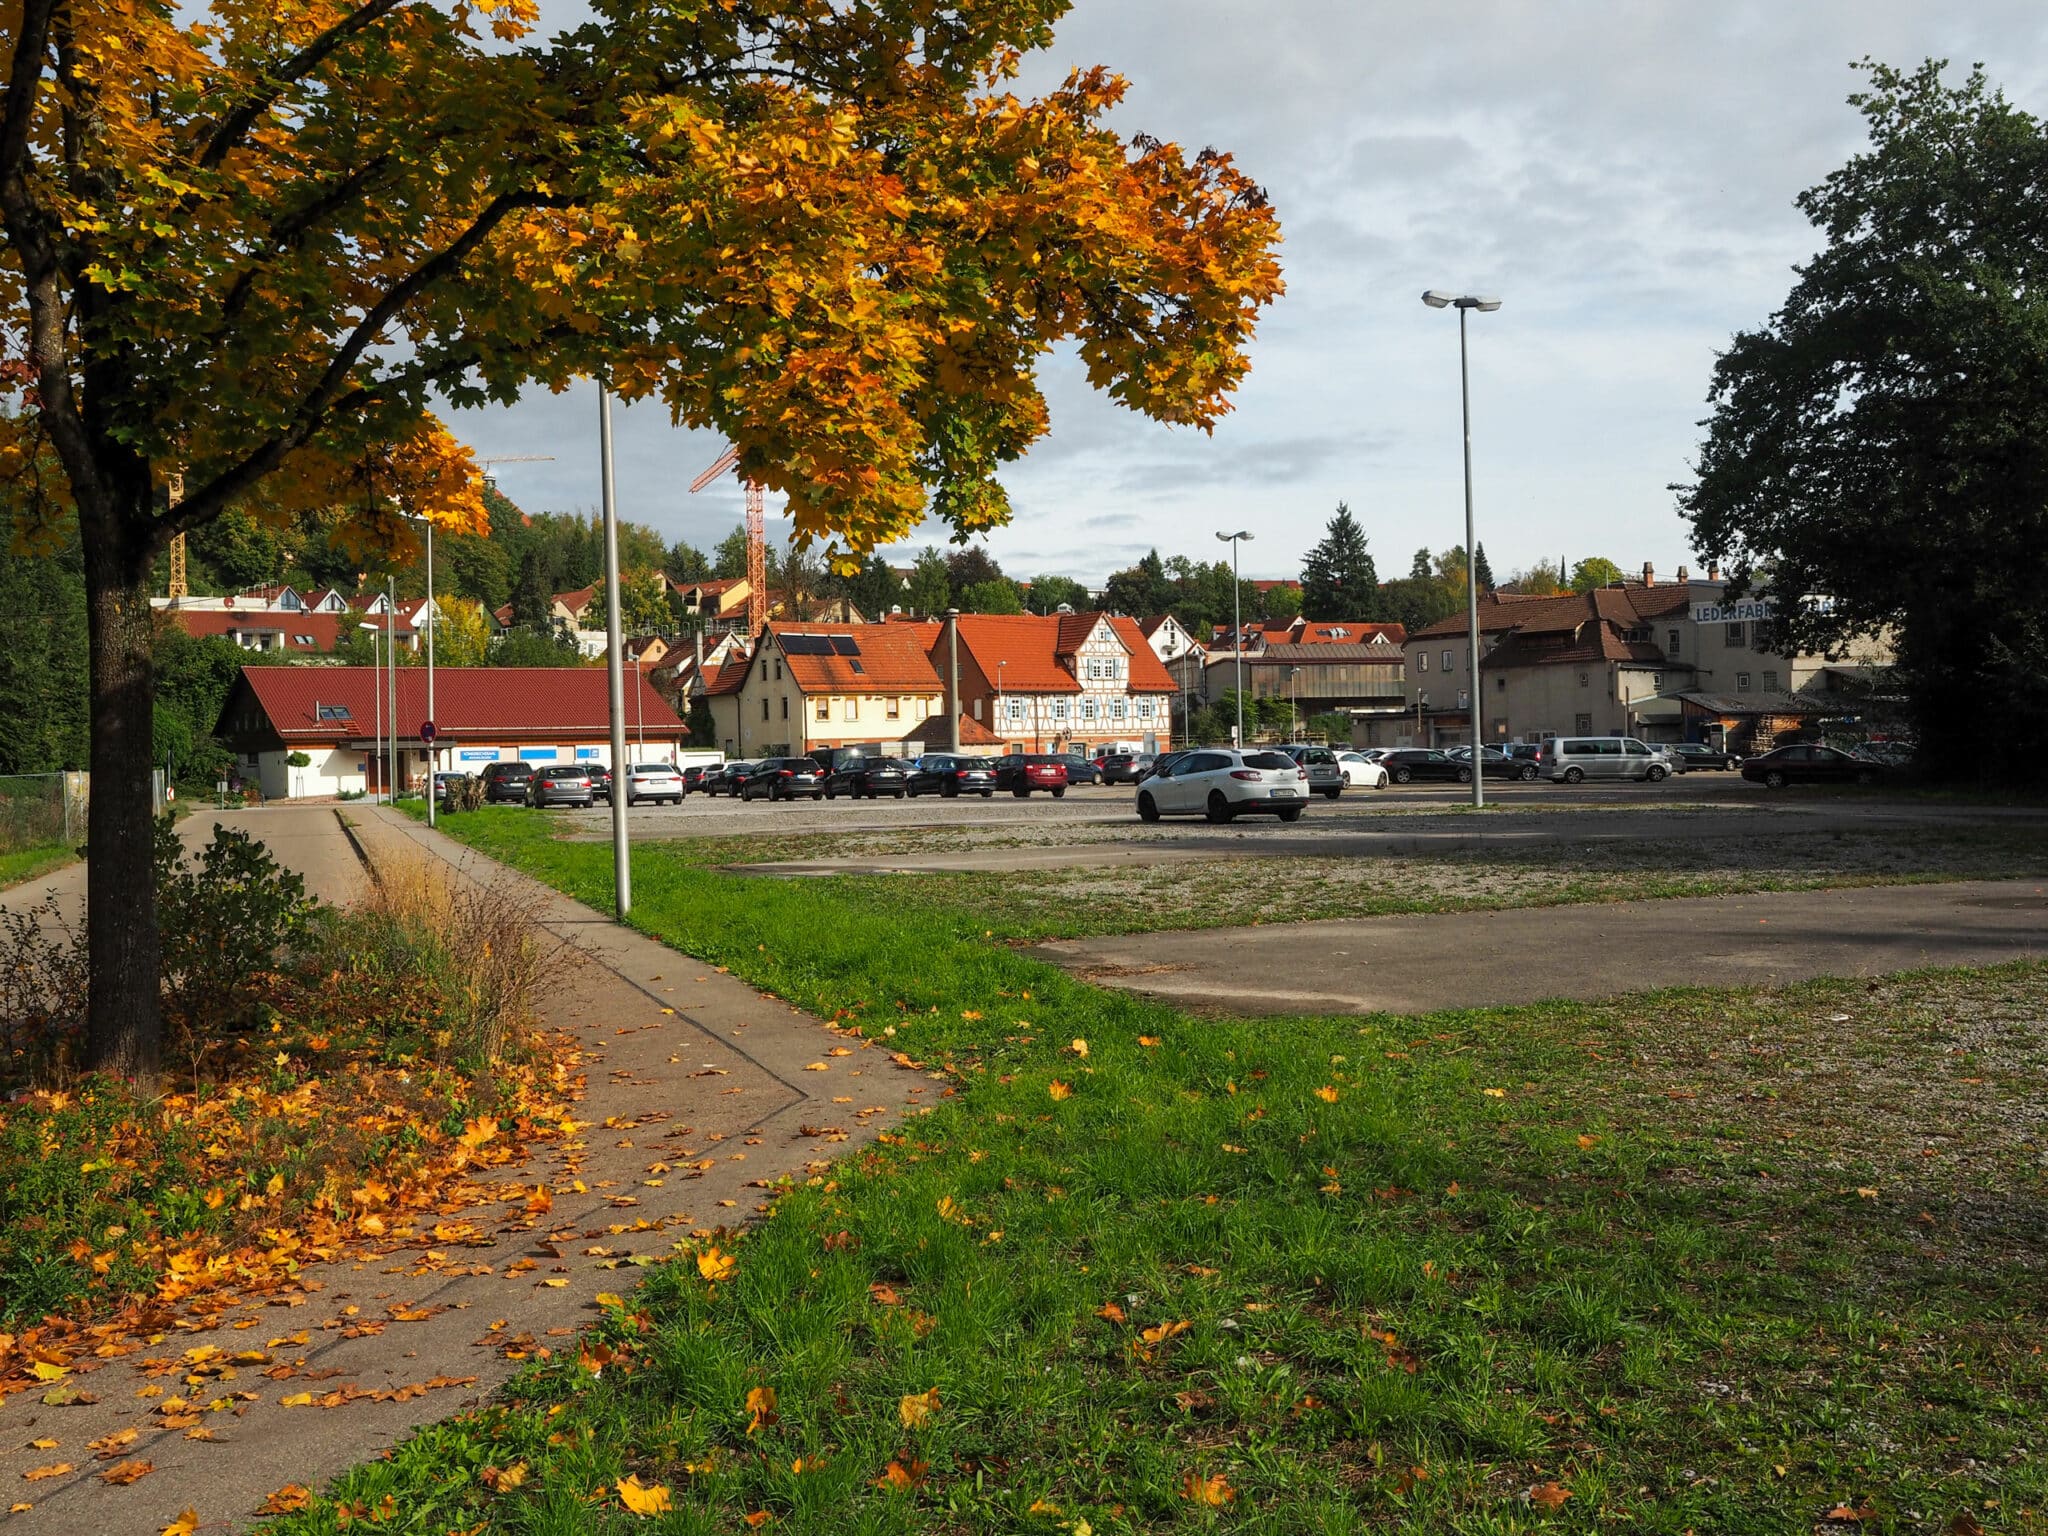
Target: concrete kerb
x,y
729,1077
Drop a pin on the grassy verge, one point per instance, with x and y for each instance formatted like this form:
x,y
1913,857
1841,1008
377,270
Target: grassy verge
x,y
1749,1262
22,864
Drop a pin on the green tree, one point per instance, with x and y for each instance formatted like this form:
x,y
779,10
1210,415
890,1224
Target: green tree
x,y
1484,570
729,556
533,593
930,591
995,596
686,563
1338,577
643,604
1278,604
525,648
873,589
1421,568
1418,600
1594,572
970,567
1049,592
43,676
237,552
1141,591
1878,443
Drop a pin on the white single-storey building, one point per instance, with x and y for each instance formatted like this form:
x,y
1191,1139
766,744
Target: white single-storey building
x,y
337,718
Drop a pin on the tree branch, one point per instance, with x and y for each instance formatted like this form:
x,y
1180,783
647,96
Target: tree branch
x,y
23,85
289,227
229,131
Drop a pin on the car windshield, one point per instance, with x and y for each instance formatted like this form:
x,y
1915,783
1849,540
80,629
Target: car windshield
x,y
1045,762
652,768
1268,760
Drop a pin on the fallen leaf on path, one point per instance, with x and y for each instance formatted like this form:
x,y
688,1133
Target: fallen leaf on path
x,y
291,1497
643,1500
186,1523
127,1472
1213,1491
916,1407
1327,1093
37,1474
900,1478
715,1264
1058,1090
1548,1495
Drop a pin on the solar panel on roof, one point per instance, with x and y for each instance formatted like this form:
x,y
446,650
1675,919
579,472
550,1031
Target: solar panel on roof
x,y
805,645
845,645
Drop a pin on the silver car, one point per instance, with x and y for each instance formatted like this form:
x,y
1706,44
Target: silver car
x,y
1325,772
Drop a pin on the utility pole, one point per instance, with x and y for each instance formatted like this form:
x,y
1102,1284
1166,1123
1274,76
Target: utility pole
x,y
615,672
1237,629
391,660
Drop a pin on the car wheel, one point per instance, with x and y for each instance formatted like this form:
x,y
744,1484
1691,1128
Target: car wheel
x,y
1528,775
833,794
988,794
899,794
815,795
1654,774
1148,808
1575,775
1291,813
1333,792
951,791
1402,775
1219,808
1464,775
1774,780
1060,793
1021,794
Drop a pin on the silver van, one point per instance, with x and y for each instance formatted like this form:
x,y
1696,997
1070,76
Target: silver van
x,y
1574,759
1325,773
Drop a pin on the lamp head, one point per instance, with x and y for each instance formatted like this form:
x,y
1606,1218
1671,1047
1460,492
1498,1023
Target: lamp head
x,y
1436,298
366,624
1485,306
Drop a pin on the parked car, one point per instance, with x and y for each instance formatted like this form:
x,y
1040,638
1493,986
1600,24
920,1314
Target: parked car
x,y
940,773
1496,764
1022,772
1223,783
559,784
784,778
653,782
1165,760
1123,767
1574,759
1081,770
600,781
1687,755
1813,765
507,782
1408,765
1325,773
695,775
446,783
727,778
870,777
1361,772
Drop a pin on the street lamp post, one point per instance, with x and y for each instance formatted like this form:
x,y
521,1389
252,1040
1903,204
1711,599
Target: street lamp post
x,y
615,673
1002,710
1236,628
376,704
1464,304
1293,702
391,676
430,616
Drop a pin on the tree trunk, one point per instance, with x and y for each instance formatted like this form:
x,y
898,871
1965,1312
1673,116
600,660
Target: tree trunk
x,y
124,1030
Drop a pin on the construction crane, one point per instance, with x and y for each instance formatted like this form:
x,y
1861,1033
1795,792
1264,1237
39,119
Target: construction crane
x,y
174,492
511,458
757,539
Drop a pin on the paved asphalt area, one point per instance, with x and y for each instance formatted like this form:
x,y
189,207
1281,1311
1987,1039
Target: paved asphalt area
x,y
677,1056
1419,964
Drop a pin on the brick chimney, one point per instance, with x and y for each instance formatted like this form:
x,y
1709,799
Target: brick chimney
x,y
1684,574
1649,574
1713,570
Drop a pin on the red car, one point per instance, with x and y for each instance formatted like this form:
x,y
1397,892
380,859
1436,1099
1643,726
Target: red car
x,y
1020,773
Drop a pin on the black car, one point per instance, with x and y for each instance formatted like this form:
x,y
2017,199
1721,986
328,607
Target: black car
x,y
559,784
1813,765
1411,765
1696,754
1124,767
1496,764
940,773
695,775
1081,771
726,778
868,777
600,782
784,778
507,782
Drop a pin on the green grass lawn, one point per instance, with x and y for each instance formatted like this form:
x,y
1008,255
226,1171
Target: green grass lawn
x,y
1698,1262
26,863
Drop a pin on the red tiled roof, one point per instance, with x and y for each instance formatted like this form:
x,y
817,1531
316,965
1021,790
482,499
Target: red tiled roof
x,y
931,734
1029,648
1626,606
305,633
1148,672
721,681
578,600
892,659
1355,632
470,703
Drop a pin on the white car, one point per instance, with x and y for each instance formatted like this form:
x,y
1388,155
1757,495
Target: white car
x,y
1222,783
653,781
1361,772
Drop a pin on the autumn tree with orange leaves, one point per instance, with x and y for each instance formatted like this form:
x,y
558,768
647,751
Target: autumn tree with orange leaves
x,y
252,251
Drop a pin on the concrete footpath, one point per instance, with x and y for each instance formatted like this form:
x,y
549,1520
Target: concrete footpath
x,y
1419,964
684,1065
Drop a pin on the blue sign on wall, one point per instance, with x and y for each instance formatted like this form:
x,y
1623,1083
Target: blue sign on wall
x,y
538,754
478,755
582,752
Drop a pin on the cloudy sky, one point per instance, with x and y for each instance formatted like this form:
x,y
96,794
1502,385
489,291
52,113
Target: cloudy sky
x,y
1621,173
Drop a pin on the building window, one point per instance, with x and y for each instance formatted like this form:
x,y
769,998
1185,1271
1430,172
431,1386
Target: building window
x,y
1422,661
1447,661
1671,643
1582,724
764,709
1499,683
1742,682
1016,709
853,709
824,708
785,706
895,709
1144,709
1059,709
1088,710
1732,635
1117,709
1585,679
778,670
977,709
1770,682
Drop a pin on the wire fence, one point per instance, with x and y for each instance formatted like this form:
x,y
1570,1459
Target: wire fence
x,y
41,810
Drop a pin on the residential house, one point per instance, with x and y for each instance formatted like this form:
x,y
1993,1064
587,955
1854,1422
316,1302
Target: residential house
x,y
808,687
1058,682
337,716
719,605
1322,666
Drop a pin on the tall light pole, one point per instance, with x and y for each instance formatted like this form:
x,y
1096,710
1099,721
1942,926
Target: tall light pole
x,y
1293,702
432,617
376,702
1237,627
1002,713
1464,304
615,672
391,673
